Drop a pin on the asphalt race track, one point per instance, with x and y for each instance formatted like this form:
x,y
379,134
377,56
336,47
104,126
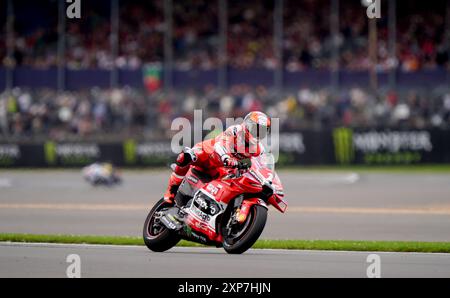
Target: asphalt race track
x,y
45,260
322,205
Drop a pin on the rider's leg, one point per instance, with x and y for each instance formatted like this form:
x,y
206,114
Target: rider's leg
x,y
183,163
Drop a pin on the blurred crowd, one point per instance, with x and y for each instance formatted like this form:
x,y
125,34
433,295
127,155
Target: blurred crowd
x,y
128,112
307,42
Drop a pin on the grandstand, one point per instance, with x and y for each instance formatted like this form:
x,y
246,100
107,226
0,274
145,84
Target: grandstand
x,y
65,78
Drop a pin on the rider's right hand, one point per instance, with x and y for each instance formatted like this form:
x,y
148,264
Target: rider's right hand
x,y
230,162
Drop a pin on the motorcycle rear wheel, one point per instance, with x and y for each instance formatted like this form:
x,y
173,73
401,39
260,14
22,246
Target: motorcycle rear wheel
x,y
253,226
162,240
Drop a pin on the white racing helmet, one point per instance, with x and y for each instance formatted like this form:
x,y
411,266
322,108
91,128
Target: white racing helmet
x,y
256,125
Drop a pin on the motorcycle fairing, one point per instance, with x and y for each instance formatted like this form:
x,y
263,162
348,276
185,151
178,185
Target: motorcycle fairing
x,y
203,212
223,191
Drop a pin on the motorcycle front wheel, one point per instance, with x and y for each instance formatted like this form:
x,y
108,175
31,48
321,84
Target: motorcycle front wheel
x,y
157,237
241,237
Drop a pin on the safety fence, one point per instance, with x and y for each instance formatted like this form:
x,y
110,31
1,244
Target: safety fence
x,y
84,79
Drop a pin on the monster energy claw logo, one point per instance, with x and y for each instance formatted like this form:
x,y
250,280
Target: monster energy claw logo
x,y
50,152
130,151
343,145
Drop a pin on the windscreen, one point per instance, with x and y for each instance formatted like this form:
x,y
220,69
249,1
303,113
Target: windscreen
x,y
265,160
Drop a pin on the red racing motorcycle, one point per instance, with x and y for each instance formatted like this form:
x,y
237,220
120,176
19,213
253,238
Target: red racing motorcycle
x,y
229,212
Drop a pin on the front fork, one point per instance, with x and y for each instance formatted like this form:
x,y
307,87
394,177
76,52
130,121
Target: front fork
x,y
244,209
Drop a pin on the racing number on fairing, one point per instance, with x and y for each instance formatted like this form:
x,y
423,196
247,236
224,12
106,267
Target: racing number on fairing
x,y
212,189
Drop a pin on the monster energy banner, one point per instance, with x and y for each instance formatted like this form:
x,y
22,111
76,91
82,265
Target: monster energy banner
x,y
71,154
342,146
389,147
156,153
9,154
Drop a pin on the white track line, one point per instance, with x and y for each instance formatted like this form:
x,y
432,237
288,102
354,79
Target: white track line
x,y
196,249
349,178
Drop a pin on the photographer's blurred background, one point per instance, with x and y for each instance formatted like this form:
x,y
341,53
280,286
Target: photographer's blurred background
x,y
126,69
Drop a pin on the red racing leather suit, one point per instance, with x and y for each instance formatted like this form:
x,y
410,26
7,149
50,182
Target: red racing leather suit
x,y
211,156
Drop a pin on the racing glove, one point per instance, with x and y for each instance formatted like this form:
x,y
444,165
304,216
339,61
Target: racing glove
x,y
229,161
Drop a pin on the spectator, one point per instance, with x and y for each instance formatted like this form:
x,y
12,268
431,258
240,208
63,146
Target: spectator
x,y
307,43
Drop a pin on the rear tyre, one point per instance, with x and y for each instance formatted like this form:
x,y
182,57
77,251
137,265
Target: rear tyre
x,y
157,237
251,230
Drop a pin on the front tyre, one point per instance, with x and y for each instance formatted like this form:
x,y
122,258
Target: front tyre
x,y
156,236
240,238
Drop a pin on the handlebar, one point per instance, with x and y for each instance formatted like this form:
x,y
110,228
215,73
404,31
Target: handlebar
x,y
243,166
240,166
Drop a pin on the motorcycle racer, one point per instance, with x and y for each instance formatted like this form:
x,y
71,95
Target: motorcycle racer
x,y
215,156
101,174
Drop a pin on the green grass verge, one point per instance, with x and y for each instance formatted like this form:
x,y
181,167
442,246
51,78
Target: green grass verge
x,y
79,239
342,245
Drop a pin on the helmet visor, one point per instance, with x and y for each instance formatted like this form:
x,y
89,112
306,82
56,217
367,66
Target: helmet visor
x,y
257,131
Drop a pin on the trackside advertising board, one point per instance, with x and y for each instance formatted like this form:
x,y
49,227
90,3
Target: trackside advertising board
x,y
390,147
339,146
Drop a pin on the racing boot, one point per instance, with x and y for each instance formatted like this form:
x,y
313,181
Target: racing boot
x,y
174,183
180,168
